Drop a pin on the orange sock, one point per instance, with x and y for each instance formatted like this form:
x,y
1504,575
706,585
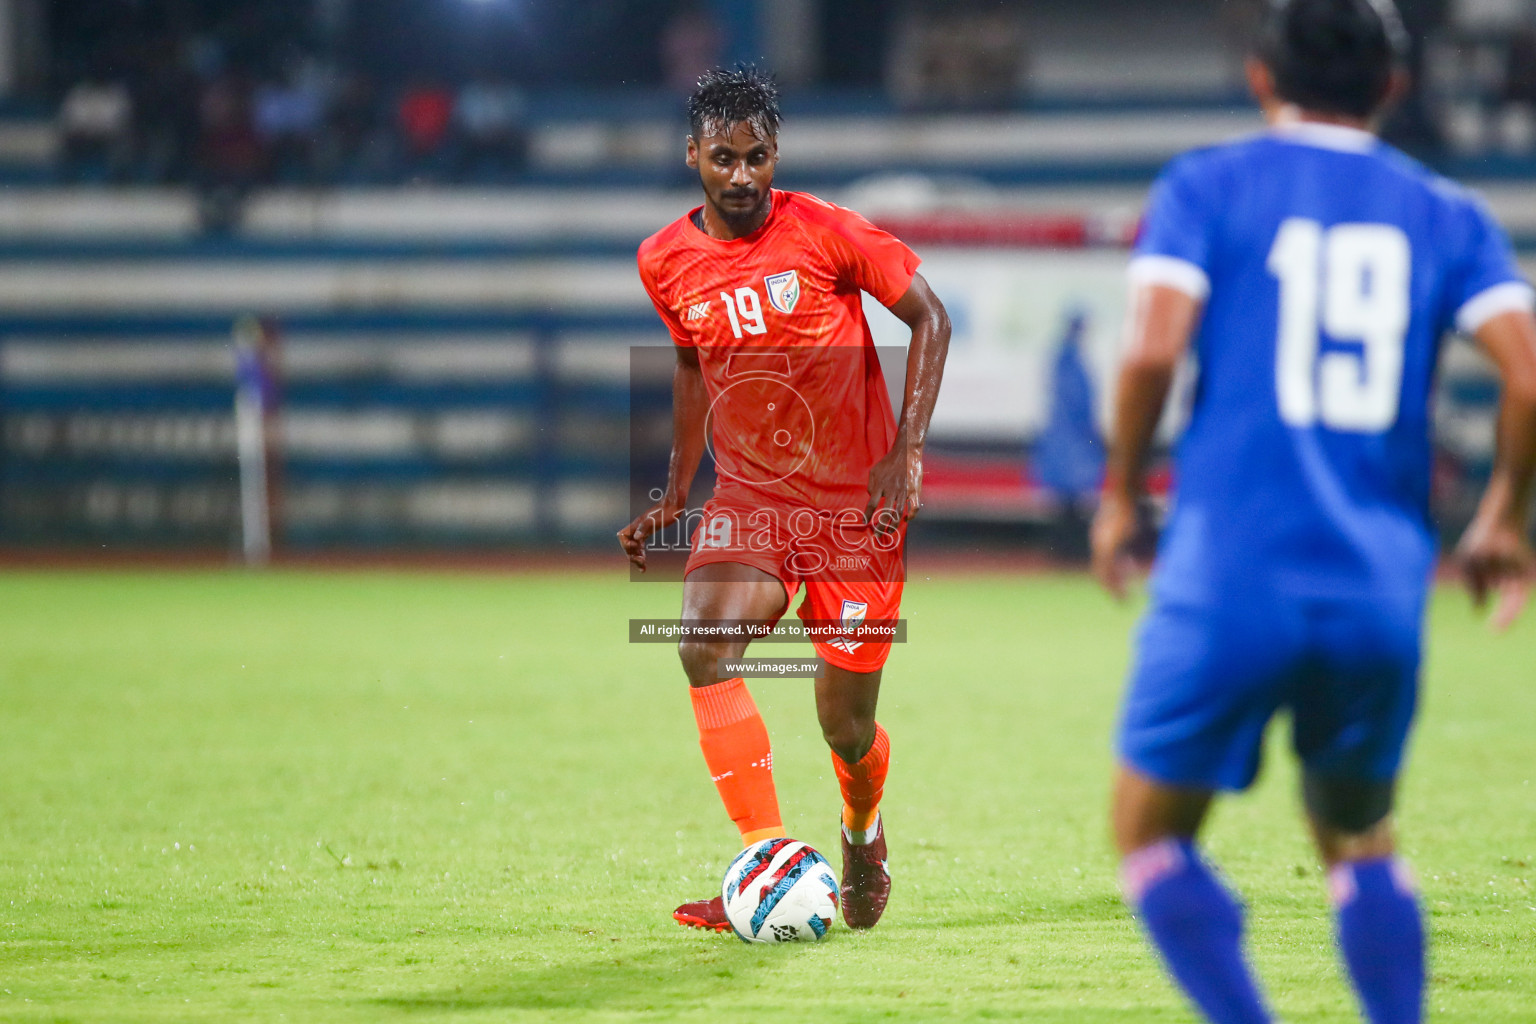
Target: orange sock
x,y
735,744
863,783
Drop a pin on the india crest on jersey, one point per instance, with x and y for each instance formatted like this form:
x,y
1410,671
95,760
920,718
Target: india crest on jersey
x,y
783,290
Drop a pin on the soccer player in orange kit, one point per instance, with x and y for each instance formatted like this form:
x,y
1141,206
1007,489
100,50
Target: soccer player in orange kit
x,y
761,291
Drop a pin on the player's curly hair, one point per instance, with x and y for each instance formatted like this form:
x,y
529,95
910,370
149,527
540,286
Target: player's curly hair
x,y
1333,56
741,95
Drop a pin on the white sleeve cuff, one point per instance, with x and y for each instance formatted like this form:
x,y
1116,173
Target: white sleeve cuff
x,y
1511,296
1171,271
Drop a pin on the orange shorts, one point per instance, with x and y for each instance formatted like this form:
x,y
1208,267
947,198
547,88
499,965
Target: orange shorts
x,y
850,574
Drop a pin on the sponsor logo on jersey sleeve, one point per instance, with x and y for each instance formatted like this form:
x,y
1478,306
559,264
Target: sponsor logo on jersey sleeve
x,y
698,311
783,290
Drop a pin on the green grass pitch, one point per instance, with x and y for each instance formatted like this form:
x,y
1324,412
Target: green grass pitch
x,y
374,796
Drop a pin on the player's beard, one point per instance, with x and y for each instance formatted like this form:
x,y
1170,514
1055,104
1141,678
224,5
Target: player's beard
x,y
741,221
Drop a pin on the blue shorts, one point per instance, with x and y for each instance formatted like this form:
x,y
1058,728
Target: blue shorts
x,y
1206,682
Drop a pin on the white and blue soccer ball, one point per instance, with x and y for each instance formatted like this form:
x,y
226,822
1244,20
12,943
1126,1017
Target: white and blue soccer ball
x,y
780,890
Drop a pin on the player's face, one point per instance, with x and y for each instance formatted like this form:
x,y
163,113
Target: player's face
x,y
736,170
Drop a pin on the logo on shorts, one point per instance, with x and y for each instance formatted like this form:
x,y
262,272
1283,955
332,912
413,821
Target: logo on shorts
x,y
698,311
783,290
853,616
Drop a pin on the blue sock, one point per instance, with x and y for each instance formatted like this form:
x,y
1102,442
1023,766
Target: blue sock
x,y
1382,938
1197,926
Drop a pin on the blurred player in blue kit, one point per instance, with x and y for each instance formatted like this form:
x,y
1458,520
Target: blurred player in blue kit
x,y
1314,271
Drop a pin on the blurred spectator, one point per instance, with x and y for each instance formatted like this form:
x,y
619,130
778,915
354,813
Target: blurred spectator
x,y
96,120
287,119
691,44
229,148
1480,72
1069,453
1487,17
1520,85
491,116
205,56
229,153
954,55
425,115
166,96
1517,127
356,146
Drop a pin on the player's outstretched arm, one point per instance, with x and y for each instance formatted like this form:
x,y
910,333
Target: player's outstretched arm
x,y
1495,552
1161,320
896,481
690,405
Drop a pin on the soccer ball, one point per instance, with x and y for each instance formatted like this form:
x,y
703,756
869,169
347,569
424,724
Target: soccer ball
x,y
780,890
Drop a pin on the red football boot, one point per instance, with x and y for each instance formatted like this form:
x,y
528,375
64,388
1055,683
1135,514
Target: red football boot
x,y
866,879
708,914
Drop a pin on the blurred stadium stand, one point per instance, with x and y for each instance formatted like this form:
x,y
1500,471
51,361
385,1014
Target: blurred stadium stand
x,y
436,204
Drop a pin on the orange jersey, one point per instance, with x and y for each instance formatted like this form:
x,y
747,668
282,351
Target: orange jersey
x,y
798,406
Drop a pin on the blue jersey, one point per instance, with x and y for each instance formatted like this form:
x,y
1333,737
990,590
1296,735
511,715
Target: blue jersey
x,y
1331,266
